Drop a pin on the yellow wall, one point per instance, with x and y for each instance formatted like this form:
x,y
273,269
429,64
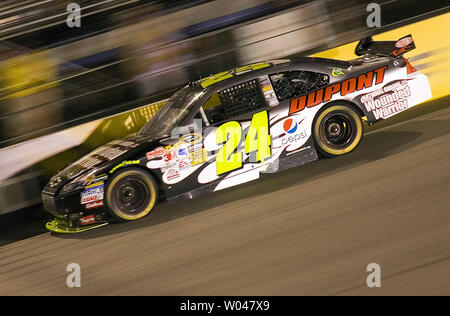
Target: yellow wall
x,y
27,74
431,37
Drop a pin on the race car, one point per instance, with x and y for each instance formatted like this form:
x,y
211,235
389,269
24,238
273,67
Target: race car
x,y
231,127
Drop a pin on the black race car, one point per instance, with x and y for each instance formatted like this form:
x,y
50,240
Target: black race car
x,y
228,128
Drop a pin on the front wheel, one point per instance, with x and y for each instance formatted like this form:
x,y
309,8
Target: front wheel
x,y
131,194
337,130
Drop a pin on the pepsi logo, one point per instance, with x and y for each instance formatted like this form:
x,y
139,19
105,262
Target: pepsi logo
x,y
290,126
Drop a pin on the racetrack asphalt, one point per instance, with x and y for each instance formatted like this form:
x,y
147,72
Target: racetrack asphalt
x,y
311,230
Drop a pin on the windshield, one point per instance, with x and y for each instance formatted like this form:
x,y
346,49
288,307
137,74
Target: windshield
x,y
171,114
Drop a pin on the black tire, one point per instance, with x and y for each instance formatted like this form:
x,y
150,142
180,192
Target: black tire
x,y
337,130
131,194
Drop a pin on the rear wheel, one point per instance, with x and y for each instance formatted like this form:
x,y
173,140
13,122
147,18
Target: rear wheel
x,y
131,194
337,130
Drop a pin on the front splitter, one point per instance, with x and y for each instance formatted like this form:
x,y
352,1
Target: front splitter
x,y
61,226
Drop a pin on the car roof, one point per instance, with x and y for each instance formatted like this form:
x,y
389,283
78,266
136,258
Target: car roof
x,y
262,68
326,62
229,75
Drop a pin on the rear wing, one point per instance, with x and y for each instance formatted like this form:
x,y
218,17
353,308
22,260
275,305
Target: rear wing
x,y
385,48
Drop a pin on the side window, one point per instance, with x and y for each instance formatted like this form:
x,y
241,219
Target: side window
x,y
295,83
232,102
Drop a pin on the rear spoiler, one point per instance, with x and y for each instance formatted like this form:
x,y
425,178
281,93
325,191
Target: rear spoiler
x,y
385,48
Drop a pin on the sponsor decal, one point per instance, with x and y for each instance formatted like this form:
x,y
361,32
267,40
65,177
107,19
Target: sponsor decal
x,y
199,156
157,152
178,155
172,174
87,220
345,87
91,198
184,164
170,156
294,138
191,139
388,100
93,185
290,126
93,194
125,163
89,179
169,148
336,72
403,42
267,89
183,152
293,134
92,205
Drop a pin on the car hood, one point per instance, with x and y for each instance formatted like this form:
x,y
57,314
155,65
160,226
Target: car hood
x,y
99,159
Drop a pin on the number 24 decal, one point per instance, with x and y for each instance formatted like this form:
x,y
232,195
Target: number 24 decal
x,y
257,140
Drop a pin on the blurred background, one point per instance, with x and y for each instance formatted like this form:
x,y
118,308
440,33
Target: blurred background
x,y
66,90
